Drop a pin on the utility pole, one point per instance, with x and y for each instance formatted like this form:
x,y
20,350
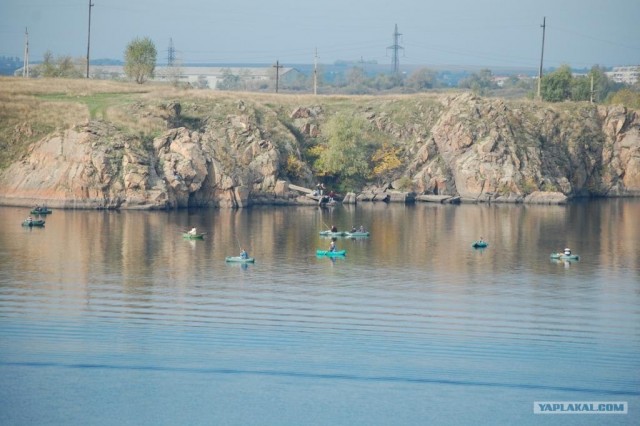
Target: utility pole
x,y
315,73
544,26
395,47
591,93
277,66
89,37
25,64
171,54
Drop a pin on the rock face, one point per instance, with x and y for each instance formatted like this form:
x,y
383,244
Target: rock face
x,y
490,150
227,164
465,148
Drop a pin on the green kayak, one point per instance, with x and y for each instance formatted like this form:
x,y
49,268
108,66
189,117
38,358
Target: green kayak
x,y
331,253
333,234
239,259
562,256
479,244
356,234
41,210
188,236
34,222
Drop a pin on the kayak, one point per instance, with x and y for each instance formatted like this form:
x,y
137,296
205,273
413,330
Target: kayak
x,y
563,256
188,236
239,259
41,210
333,234
356,234
479,244
35,222
331,253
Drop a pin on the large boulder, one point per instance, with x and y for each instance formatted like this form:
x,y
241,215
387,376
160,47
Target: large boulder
x,y
546,197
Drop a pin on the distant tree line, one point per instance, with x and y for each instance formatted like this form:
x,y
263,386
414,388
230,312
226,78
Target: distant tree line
x,y
562,85
58,67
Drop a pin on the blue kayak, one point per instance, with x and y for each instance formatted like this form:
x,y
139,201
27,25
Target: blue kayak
x,y
331,253
479,244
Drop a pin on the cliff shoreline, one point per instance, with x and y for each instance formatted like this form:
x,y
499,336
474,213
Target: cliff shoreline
x,y
234,152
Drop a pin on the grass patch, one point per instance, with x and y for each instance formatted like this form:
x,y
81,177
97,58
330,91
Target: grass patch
x,y
97,103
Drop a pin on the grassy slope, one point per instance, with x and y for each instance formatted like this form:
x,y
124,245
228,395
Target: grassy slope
x,y
30,109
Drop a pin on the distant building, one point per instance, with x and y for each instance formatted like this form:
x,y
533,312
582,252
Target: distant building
x,y
202,76
499,80
628,75
502,80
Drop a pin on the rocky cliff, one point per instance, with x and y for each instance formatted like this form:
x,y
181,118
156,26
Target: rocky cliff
x,y
500,151
233,152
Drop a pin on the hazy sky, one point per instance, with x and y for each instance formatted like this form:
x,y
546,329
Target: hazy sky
x,y
580,33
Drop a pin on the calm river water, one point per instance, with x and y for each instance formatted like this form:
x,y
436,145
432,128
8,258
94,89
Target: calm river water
x,y
111,318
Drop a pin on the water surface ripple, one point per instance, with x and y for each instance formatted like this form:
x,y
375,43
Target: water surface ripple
x,y
113,318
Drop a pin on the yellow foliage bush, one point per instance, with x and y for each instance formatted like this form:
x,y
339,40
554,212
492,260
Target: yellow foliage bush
x,y
385,160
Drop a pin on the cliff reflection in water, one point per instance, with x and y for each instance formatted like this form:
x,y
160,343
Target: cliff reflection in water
x,y
137,248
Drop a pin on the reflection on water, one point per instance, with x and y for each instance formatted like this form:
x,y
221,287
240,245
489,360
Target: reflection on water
x,y
107,312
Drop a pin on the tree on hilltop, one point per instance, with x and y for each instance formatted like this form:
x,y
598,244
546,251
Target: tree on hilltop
x,y
61,67
422,79
479,82
561,85
140,59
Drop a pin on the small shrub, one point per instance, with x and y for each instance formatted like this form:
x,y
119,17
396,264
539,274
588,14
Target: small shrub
x,y
529,185
294,167
405,184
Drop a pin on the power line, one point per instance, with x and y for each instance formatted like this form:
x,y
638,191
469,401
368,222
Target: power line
x,y
492,55
597,39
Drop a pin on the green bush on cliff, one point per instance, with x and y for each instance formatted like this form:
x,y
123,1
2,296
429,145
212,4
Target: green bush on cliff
x,y
625,97
294,167
347,151
528,185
